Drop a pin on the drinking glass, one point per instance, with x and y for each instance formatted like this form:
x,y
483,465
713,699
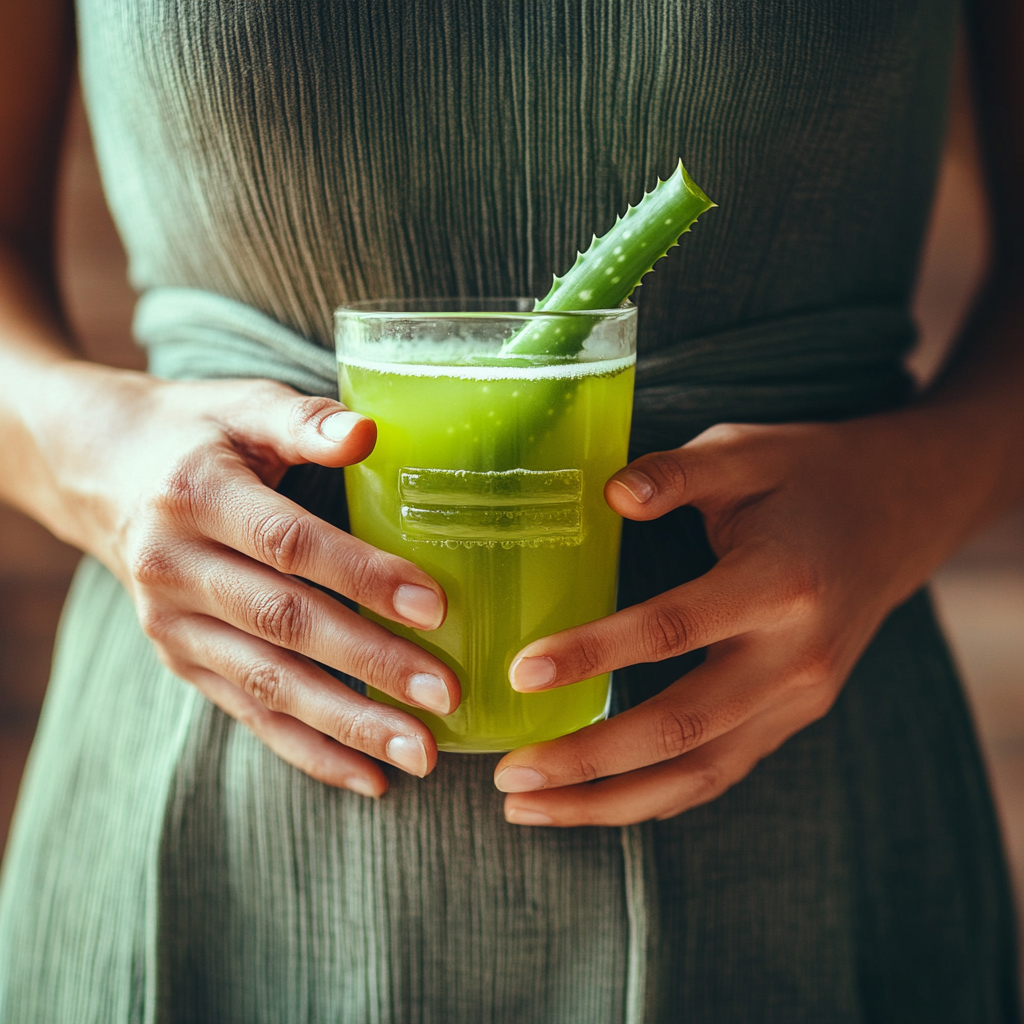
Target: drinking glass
x,y
489,474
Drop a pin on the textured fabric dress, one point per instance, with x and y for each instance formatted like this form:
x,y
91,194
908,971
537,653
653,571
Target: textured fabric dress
x,y
268,159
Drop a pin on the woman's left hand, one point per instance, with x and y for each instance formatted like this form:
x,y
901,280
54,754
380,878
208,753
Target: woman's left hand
x,y
820,531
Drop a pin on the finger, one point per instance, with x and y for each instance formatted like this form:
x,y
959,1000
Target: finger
x,y
740,679
661,481
297,428
288,613
667,789
285,682
310,751
744,591
231,506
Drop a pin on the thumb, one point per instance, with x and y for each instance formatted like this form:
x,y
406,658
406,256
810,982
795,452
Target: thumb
x,y
657,483
299,428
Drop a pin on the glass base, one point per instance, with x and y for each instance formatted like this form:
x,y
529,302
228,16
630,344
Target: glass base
x,y
460,748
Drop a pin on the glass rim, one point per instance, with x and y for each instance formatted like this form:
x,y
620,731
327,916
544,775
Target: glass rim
x,y
390,309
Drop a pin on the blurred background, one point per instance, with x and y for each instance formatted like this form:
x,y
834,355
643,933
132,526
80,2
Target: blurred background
x,y
980,592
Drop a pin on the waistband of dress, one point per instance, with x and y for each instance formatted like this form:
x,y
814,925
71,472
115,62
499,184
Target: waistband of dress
x,y
830,363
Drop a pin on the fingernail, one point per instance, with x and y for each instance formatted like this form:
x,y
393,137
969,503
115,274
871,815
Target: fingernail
x,y
517,778
361,786
429,692
419,605
408,753
521,816
339,425
531,673
638,485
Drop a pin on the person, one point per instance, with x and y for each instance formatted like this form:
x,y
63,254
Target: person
x,y
788,820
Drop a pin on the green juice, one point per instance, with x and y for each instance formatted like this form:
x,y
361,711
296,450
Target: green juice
x,y
491,478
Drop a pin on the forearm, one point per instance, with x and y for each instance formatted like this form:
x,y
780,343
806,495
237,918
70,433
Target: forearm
x,y
977,404
957,453
33,343
36,61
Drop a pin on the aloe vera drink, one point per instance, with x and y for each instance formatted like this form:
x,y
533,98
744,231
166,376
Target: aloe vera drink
x,y
489,474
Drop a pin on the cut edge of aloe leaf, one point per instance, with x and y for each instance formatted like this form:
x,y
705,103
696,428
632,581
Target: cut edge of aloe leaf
x,y
613,266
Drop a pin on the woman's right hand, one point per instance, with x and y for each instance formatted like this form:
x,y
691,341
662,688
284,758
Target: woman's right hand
x,y
171,486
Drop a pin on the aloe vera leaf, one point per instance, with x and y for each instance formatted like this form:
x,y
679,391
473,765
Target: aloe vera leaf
x,y
609,271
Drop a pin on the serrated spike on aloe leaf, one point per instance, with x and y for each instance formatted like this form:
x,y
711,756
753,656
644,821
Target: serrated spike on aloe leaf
x,y
608,272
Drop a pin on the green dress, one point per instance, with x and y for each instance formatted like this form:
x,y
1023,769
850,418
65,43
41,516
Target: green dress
x,y
268,159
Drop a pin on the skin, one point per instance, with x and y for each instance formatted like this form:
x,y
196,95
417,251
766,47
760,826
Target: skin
x,y
820,529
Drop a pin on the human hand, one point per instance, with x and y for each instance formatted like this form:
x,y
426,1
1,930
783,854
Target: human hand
x,y
820,531
171,486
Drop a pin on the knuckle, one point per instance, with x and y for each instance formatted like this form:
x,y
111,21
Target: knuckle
x,y
668,470
380,662
181,490
698,785
154,564
815,667
585,655
669,631
366,571
678,731
280,539
356,728
265,682
583,767
255,717
154,620
708,782
309,412
280,617
803,587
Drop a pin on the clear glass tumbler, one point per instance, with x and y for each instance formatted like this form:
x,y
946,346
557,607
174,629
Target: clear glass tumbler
x,y
489,474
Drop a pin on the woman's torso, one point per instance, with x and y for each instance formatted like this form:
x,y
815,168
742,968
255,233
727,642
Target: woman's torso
x,y
294,155
291,155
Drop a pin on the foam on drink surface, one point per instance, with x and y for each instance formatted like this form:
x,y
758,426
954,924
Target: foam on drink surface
x,y
486,371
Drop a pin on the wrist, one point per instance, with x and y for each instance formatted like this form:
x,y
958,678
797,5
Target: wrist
x,y
66,418
25,394
939,473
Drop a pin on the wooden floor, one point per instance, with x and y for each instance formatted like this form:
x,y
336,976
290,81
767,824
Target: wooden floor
x,y
980,593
